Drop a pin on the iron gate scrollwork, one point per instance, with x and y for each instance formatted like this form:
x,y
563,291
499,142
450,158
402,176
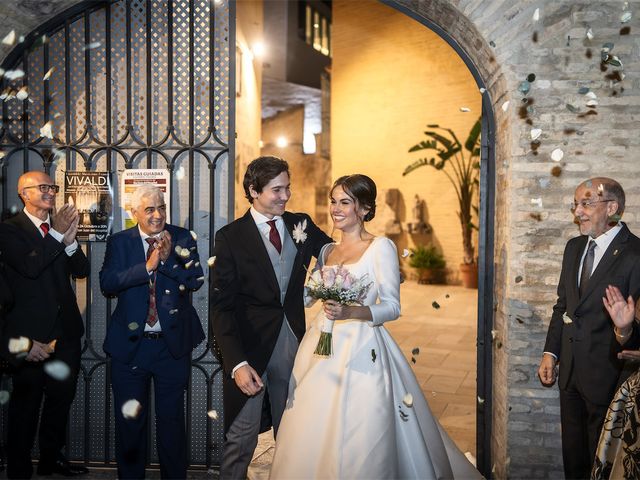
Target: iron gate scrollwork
x,y
129,84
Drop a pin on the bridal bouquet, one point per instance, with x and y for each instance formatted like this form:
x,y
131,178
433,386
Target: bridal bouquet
x,y
335,283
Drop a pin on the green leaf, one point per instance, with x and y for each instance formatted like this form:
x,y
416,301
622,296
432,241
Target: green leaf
x,y
447,143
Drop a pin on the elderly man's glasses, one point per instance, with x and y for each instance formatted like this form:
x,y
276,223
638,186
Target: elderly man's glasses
x,y
587,203
45,188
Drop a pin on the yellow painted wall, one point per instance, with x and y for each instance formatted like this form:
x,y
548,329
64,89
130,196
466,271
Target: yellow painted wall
x,y
249,29
391,76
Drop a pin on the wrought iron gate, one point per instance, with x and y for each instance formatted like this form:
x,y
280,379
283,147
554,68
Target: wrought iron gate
x,y
129,84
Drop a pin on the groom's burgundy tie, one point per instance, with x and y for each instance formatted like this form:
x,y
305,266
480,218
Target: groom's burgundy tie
x,y
274,236
587,266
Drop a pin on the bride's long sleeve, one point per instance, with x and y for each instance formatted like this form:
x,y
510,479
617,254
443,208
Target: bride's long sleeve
x,y
387,272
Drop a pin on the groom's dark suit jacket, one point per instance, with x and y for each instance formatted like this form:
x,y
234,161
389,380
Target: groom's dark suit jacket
x,y
585,343
245,297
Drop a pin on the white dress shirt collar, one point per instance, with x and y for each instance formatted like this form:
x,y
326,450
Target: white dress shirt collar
x,y
260,219
36,221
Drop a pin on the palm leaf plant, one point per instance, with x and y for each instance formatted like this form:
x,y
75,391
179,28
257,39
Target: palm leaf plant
x,y
461,164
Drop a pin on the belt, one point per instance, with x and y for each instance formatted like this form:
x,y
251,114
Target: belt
x,y
153,335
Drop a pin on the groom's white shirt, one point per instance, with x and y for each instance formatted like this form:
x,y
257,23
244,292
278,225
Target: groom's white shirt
x,y
264,229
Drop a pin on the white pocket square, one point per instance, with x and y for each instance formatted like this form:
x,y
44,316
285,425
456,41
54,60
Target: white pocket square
x,y
566,318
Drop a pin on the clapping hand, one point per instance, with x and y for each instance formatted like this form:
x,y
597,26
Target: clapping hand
x,y
621,312
62,220
164,245
70,235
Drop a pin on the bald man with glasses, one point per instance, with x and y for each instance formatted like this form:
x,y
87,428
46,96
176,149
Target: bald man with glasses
x,y
41,256
582,338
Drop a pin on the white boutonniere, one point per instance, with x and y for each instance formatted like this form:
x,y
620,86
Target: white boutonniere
x,y
299,234
566,318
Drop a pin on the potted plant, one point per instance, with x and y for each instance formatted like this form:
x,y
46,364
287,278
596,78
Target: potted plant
x,y
428,262
461,164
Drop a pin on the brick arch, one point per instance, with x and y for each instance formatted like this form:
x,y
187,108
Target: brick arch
x,y
446,18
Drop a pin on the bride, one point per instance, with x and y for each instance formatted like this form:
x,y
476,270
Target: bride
x,y
360,413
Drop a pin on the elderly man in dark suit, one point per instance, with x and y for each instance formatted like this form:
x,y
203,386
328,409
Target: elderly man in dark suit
x,y
40,256
582,337
151,268
258,311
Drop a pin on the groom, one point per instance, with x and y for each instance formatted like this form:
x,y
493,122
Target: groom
x,y
258,312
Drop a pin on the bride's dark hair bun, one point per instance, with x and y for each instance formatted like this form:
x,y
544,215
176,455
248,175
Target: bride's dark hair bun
x,y
361,189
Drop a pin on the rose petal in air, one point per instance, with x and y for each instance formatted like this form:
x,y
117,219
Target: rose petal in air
x,y
557,155
133,326
194,235
20,344
57,369
131,408
408,400
212,414
211,261
10,38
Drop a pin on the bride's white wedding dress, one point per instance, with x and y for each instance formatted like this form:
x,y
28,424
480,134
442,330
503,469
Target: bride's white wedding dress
x,y
345,416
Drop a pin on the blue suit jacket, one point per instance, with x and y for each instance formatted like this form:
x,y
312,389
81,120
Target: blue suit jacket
x,y
125,276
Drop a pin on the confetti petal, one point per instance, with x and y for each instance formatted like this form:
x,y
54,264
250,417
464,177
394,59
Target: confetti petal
x,y
480,400
200,279
408,400
415,351
91,46
180,173
212,414
482,89
57,369
211,261
493,334
589,33
4,397
557,155
435,305
133,326
131,408
47,75
10,38
465,109
625,17
14,74
535,133
18,345
23,93
194,235
536,15
45,130
505,106
373,355
173,312
592,103
188,264
589,94
537,201
182,288
405,253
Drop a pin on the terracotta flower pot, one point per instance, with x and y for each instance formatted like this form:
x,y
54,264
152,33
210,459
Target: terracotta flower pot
x,y
469,275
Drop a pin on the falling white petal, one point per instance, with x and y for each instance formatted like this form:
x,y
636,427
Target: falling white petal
x,y
589,33
465,109
194,235
482,89
133,326
188,264
405,253
47,75
590,94
131,408
408,400
493,334
592,103
480,400
168,292
200,279
505,106
22,93
212,414
211,261
4,397
45,130
14,74
536,15
57,369
91,46
10,38
178,250
173,312
535,133
557,155
180,173
625,17
20,344
537,201
182,288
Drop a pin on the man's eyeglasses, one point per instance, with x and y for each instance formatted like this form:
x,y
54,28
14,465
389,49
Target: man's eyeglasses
x,y
587,203
45,188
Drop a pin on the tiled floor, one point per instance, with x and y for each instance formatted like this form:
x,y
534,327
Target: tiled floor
x,y
445,366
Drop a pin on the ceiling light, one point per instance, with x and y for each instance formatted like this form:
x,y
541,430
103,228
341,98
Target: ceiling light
x,y
281,142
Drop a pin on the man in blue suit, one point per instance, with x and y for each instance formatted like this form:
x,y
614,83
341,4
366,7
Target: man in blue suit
x,y
151,268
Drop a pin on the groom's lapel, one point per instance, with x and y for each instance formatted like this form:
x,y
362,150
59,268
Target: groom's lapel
x,y
254,244
290,220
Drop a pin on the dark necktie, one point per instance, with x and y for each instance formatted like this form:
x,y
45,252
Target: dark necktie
x,y
152,315
44,226
274,236
587,266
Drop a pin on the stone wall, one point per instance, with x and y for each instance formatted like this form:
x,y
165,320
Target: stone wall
x,y
507,41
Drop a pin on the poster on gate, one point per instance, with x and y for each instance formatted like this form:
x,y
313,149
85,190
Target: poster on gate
x,y
92,195
132,178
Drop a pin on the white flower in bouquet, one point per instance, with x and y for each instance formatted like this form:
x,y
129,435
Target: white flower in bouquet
x,y
338,284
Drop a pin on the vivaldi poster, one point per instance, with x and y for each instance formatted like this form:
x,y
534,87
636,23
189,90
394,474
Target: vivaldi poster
x,y
132,178
92,195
